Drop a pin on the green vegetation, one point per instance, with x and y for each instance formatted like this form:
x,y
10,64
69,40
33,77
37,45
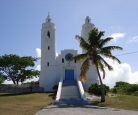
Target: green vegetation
x,y
24,104
1,79
125,88
16,68
96,89
95,51
128,102
55,88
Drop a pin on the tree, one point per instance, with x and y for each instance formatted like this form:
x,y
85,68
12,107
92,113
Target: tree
x,y
17,68
95,53
121,83
1,79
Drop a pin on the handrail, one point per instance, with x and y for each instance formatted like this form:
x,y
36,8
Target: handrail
x,y
59,89
81,89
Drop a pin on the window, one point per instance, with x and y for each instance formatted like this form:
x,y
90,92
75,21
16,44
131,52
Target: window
x,y
47,63
48,34
48,47
68,56
62,60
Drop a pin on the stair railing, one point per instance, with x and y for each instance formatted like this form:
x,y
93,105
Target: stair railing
x,y
59,89
81,89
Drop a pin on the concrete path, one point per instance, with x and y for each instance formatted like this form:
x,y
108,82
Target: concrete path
x,y
84,110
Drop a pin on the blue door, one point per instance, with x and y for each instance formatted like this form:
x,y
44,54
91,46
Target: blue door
x,y
69,74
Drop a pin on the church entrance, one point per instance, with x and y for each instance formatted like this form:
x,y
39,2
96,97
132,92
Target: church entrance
x,y
69,74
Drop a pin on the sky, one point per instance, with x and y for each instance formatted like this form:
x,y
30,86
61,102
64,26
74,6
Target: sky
x,y
21,21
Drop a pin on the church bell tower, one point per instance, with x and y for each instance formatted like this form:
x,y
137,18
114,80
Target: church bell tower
x,y
47,43
47,50
86,28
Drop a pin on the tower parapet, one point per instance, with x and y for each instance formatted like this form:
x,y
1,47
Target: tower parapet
x,y
86,28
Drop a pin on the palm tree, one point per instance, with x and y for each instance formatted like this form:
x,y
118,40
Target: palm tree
x,y
95,52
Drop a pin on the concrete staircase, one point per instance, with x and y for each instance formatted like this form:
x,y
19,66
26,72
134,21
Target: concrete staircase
x,y
70,94
70,90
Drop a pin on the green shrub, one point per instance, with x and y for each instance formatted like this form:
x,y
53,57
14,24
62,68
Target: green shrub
x,y
1,79
96,89
135,93
125,88
55,88
113,90
121,83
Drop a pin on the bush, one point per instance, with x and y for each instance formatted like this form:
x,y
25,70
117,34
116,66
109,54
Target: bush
x,y
96,89
135,93
120,84
1,79
125,88
113,90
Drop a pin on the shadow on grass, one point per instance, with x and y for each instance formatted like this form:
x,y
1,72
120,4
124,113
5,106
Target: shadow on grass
x,y
75,103
88,106
52,95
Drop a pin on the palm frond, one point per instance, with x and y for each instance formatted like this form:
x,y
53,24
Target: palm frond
x,y
105,63
80,57
100,34
104,52
105,41
101,67
83,43
113,58
112,48
84,68
93,37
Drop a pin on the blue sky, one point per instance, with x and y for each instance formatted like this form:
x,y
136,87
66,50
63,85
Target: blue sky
x,y
21,20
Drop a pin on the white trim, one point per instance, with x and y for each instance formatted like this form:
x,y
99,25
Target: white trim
x,y
81,89
59,89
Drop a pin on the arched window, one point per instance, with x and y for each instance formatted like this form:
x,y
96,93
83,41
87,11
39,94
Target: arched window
x,y
62,60
48,34
47,63
48,47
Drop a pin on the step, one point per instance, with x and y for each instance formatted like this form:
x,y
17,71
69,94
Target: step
x,y
73,102
70,90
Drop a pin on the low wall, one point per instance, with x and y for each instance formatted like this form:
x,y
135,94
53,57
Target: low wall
x,y
19,89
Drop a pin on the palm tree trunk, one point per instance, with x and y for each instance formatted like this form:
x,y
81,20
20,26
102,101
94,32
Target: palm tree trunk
x,y
102,87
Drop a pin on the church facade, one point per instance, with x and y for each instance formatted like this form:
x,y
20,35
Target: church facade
x,y
54,68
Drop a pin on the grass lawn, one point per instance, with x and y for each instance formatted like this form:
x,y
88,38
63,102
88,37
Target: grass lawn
x,y
29,104
23,104
122,102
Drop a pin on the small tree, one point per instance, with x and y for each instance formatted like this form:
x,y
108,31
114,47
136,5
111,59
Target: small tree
x,y
96,89
17,68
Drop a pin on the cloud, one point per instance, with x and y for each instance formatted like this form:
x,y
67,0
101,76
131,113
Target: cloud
x,y
38,52
116,36
38,67
134,39
121,72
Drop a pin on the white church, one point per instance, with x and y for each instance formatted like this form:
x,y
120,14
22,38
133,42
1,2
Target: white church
x,y
57,69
